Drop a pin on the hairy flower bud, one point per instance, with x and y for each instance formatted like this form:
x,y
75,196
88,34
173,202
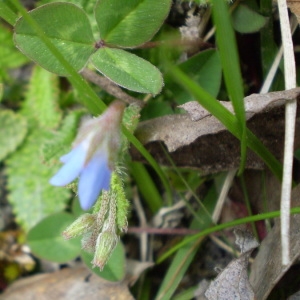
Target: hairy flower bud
x,y
82,225
106,243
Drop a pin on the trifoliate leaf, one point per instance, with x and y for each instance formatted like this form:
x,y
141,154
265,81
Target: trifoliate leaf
x,y
13,130
68,28
30,193
130,23
128,70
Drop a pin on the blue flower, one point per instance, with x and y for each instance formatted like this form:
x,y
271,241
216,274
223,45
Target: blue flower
x,y
93,156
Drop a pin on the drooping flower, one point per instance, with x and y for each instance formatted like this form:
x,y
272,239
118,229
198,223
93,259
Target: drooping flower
x,y
93,156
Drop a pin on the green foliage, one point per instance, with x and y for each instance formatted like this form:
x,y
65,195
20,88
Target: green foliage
x,y
231,69
32,197
7,13
30,193
45,239
128,70
10,57
71,33
41,106
205,69
246,20
12,132
40,127
132,24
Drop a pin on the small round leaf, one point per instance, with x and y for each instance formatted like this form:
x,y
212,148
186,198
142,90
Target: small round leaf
x,y
246,20
68,28
45,239
130,23
128,70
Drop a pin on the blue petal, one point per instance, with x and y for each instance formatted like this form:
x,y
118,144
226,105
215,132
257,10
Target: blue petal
x,y
66,157
71,169
94,178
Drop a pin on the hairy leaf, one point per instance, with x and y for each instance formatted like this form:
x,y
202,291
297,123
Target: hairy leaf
x,y
30,193
12,132
41,105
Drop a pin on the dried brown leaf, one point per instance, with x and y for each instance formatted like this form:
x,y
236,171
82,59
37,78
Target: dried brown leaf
x,y
267,269
207,145
295,296
294,5
72,283
233,282
245,240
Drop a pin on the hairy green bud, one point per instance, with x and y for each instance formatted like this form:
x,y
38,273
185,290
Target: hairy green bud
x,y
82,225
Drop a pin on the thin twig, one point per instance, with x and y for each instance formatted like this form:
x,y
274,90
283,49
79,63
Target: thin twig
x,y
223,195
143,223
290,118
162,231
110,87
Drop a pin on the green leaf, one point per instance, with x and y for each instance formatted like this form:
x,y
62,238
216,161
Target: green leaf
x,y
7,13
246,20
30,193
205,69
45,239
67,27
231,69
146,186
12,132
128,70
10,57
89,98
41,105
130,23
114,270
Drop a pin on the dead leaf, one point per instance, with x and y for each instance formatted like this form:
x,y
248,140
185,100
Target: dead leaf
x,y
232,282
67,284
267,269
295,296
294,5
207,145
202,287
244,239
